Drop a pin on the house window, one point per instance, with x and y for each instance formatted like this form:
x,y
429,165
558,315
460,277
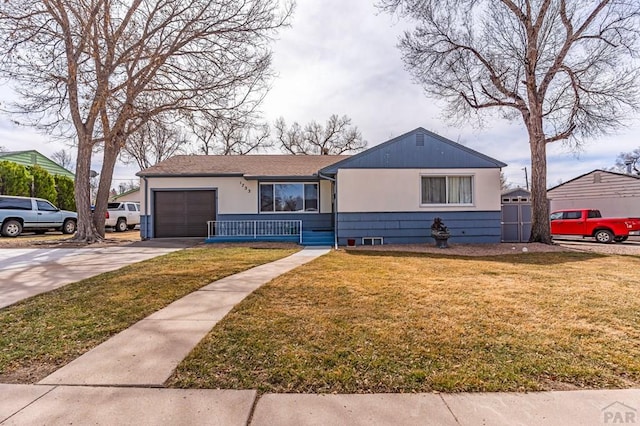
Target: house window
x,y
447,190
288,197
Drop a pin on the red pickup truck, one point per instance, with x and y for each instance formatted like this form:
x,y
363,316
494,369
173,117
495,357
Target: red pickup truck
x,y
590,223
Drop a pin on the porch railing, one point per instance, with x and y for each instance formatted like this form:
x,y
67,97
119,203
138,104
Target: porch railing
x,y
255,228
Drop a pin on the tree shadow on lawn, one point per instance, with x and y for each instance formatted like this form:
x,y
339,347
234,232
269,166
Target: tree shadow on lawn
x,y
539,258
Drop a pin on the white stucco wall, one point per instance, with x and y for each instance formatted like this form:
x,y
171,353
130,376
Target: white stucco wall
x,y
325,196
133,196
236,195
399,190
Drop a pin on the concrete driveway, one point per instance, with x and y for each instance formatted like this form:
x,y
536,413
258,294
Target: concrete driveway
x,y
27,272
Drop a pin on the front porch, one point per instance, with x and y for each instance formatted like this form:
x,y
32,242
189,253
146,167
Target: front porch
x,y
225,231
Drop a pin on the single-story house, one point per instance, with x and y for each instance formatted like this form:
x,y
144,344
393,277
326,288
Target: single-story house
x,y
33,158
614,194
389,193
130,195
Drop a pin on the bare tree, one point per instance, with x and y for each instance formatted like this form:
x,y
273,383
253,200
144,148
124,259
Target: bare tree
x,y
239,135
101,69
127,186
562,66
628,161
504,183
64,159
152,143
336,137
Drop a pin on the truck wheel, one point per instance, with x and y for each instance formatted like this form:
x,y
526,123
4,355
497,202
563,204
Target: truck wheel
x,y
121,225
603,236
620,239
11,228
69,226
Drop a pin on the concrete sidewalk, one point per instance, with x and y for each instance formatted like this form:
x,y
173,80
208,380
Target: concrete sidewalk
x,y
147,353
57,405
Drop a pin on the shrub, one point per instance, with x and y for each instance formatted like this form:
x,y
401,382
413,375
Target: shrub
x,y
66,194
44,185
14,179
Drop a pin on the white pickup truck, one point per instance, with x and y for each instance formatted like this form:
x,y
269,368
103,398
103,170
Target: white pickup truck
x,y
122,216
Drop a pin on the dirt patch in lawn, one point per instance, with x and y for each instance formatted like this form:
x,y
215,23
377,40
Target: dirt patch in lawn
x,y
467,249
58,240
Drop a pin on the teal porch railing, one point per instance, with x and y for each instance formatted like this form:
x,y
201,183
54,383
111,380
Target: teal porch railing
x,y
254,229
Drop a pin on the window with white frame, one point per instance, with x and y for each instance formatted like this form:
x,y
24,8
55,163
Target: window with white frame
x,y
447,190
288,197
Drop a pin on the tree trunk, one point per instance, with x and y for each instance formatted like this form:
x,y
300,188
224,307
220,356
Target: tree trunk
x,y
86,231
110,156
540,229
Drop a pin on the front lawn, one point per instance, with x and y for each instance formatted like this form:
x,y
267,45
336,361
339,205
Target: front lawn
x,y
40,334
394,322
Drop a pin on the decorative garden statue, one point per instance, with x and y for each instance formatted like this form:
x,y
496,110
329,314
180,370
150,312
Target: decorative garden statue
x,y
440,233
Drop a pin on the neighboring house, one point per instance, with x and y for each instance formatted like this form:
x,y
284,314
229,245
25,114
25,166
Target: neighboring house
x,y
614,194
31,158
389,193
130,195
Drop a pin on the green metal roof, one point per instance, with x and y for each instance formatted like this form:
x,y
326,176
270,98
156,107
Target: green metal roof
x,y
33,157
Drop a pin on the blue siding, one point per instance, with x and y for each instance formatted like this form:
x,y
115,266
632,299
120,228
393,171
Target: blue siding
x,y
310,221
146,227
415,227
407,152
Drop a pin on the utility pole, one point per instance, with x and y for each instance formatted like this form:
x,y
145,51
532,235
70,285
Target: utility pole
x,y
526,177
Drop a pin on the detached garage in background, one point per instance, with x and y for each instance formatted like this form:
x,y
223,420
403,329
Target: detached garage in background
x,y
614,194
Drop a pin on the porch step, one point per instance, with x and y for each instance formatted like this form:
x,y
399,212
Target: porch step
x,y
317,238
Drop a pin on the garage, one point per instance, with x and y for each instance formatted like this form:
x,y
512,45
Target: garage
x,y
183,213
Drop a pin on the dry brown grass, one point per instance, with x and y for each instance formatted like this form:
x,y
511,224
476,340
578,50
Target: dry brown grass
x,y
399,322
40,334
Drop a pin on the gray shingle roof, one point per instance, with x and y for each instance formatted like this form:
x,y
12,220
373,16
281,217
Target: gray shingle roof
x,y
245,165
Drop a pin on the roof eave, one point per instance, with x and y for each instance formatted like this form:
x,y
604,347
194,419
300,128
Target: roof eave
x,y
287,178
167,174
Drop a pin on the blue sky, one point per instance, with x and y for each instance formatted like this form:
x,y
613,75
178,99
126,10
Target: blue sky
x,y
341,58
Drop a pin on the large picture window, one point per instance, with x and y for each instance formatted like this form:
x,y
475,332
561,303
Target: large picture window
x,y
288,197
447,190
